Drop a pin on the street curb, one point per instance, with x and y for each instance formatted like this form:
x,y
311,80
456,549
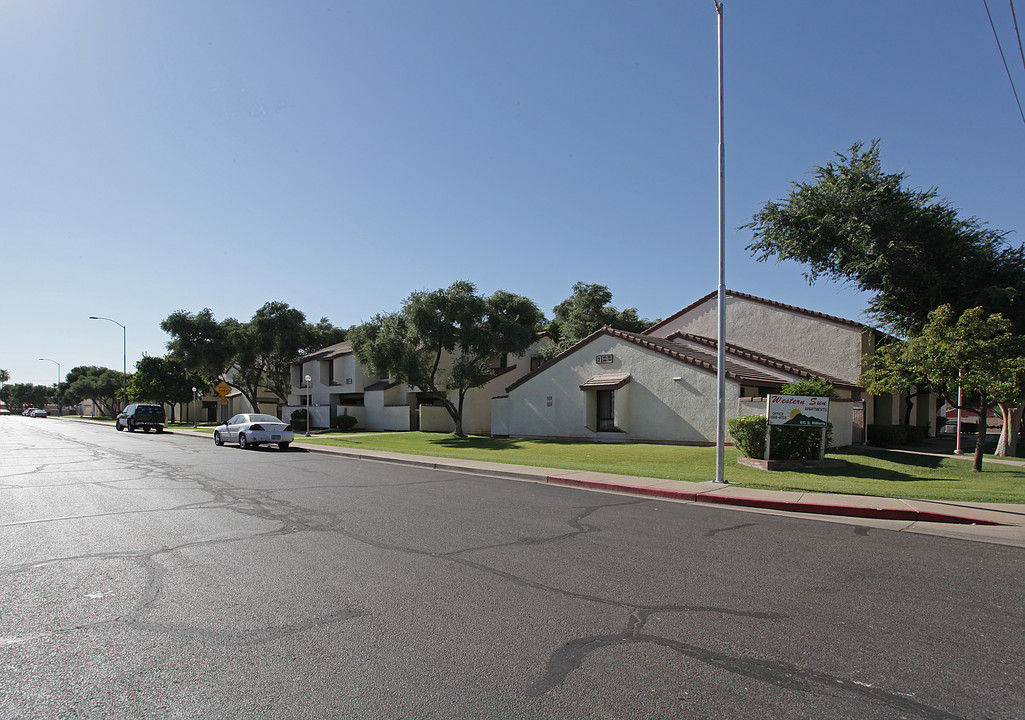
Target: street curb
x,y
496,470
907,515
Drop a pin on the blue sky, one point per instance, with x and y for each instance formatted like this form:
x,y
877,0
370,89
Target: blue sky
x,y
167,155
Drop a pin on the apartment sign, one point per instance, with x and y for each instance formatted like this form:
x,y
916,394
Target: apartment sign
x,y
798,411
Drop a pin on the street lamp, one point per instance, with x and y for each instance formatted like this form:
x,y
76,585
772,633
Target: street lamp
x,y
195,414
56,387
124,370
309,399
720,371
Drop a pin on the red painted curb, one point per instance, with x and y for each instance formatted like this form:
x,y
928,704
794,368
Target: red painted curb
x,y
906,515
619,487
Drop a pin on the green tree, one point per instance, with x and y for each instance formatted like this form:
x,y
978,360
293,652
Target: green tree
x,y
974,351
25,395
248,355
809,388
447,340
588,309
99,384
162,380
911,250
200,343
886,372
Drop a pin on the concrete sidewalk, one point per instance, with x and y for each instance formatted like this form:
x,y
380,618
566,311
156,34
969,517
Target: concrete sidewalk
x,y
1002,524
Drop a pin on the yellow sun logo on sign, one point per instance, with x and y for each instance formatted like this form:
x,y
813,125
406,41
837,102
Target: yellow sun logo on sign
x,y
794,413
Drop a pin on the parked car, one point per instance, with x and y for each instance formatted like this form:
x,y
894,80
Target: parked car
x,y
252,429
27,412
36,412
141,416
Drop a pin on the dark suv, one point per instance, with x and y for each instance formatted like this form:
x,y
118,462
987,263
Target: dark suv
x,y
144,416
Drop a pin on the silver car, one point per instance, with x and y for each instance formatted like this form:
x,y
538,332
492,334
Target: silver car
x,y
252,429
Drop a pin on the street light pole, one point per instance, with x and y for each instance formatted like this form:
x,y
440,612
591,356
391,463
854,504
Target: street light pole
x,y
195,413
720,429
309,400
57,387
124,367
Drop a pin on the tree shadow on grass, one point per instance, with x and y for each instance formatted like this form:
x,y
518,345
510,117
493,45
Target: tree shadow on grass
x,y
486,442
856,469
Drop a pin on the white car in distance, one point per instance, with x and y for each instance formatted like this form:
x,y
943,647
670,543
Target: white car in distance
x,y
252,429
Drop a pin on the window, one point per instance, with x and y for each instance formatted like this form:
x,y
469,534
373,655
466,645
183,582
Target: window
x,y
535,362
606,410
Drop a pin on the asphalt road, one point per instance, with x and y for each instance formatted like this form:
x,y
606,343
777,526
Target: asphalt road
x,y
156,576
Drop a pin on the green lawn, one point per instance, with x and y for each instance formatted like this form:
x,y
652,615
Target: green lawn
x,y
875,472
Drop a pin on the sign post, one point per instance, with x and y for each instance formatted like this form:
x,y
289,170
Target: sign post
x,y
797,411
222,388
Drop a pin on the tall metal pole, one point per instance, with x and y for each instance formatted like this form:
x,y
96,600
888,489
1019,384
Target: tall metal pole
x,y
57,387
124,370
309,401
960,401
720,394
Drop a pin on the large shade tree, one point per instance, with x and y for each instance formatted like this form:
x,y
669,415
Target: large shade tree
x,y
200,343
590,308
251,356
19,396
908,248
446,341
99,384
163,380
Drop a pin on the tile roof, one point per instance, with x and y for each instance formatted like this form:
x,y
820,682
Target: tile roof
x,y
606,382
696,357
328,353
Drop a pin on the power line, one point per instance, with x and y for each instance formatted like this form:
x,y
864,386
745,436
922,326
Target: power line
x,y
1014,15
1006,69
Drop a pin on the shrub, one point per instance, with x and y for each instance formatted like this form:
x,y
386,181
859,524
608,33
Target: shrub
x,y
343,422
298,419
786,443
748,435
887,435
810,388
917,433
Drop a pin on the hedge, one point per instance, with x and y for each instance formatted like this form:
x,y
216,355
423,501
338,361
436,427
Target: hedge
x,y
787,443
343,422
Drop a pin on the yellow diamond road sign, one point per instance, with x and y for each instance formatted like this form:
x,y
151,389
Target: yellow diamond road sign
x,y
222,388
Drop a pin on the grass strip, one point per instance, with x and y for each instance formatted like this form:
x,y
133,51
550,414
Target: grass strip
x,y
874,471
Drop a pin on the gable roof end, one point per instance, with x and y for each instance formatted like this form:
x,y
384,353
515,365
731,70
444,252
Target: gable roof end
x,y
763,301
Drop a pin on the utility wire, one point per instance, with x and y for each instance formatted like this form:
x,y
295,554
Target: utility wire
x,y
1006,69
1017,32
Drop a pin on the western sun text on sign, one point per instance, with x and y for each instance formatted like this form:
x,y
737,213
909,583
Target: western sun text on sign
x,y
798,410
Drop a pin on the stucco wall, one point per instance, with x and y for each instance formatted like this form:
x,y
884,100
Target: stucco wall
x,y
665,400
815,343
435,418
382,414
